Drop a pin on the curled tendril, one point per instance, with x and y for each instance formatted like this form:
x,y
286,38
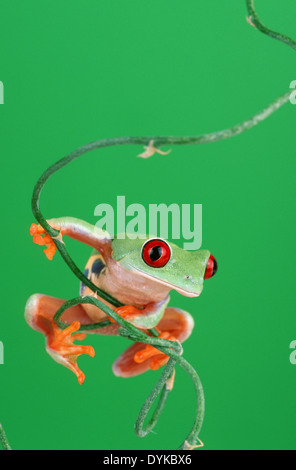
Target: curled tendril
x,y
3,439
127,330
254,19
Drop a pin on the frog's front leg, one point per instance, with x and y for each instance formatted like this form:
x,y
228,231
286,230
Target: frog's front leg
x,y
73,228
145,318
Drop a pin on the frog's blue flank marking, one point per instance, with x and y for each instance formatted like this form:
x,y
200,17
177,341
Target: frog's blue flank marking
x,y
97,267
82,286
86,272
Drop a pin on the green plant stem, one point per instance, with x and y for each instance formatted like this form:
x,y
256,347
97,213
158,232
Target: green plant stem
x,y
192,437
3,439
160,387
269,32
127,329
200,402
169,348
158,141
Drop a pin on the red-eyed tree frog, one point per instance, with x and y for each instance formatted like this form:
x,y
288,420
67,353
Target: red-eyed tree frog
x,y
139,273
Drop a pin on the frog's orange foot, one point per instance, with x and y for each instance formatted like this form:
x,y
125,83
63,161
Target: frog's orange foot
x,y
158,359
60,346
178,326
127,312
40,237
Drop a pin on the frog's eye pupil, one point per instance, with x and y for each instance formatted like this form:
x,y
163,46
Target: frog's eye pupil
x,y
156,253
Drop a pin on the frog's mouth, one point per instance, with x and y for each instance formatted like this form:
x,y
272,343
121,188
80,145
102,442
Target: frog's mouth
x,y
181,291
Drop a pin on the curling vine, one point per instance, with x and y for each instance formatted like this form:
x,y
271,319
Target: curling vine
x,y
127,330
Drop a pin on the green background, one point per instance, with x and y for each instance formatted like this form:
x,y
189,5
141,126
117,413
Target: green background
x,y
77,71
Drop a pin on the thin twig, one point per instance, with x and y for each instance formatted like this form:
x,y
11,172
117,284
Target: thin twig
x,y
3,439
192,437
254,18
128,330
160,387
158,141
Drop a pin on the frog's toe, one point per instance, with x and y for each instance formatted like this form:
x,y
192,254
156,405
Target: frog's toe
x,y
157,358
127,312
140,357
40,237
125,366
36,230
62,349
145,318
137,359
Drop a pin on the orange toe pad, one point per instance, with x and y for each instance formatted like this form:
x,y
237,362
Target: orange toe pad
x,y
40,237
127,312
149,352
62,349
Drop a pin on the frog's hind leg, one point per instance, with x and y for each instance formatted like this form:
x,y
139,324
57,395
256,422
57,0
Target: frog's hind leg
x,y
41,309
39,314
176,324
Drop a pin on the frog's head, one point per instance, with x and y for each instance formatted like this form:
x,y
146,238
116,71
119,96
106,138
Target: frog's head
x,y
165,263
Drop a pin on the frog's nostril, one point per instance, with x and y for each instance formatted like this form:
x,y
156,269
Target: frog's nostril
x,y
212,267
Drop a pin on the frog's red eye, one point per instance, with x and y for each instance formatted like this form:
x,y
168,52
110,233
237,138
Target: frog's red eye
x,y
212,267
156,253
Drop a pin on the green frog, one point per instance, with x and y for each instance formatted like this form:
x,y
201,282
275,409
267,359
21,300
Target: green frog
x,y
140,273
